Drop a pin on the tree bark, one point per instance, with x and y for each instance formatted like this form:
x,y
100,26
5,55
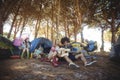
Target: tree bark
x,y
102,39
22,28
10,31
82,39
68,30
5,9
16,13
1,25
52,22
113,40
65,26
36,29
75,34
15,32
47,29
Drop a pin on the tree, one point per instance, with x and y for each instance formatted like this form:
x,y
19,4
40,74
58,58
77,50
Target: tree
x,y
109,11
6,7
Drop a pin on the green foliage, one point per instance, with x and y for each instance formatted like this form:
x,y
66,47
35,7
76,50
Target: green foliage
x,y
107,35
5,46
67,16
118,32
5,43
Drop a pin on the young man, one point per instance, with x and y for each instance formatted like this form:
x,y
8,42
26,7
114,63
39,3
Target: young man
x,y
71,56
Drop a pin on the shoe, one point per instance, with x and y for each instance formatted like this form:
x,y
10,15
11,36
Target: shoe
x,y
90,63
73,66
55,62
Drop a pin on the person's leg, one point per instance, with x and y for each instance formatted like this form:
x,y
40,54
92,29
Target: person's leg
x,y
22,53
68,59
82,58
53,58
27,53
71,63
65,55
51,55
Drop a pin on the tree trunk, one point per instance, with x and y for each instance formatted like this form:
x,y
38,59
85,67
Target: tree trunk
x,y
17,28
113,40
65,26
45,32
82,39
15,32
68,30
52,21
22,28
47,29
57,20
16,13
113,35
102,36
75,35
57,24
36,29
52,33
5,9
1,27
10,31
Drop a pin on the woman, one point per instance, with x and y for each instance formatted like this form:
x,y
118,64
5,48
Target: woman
x,y
25,46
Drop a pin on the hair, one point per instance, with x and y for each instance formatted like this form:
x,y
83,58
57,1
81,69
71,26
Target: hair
x,y
26,42
65,39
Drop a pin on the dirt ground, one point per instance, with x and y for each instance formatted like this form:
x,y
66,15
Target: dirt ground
x,y
34,69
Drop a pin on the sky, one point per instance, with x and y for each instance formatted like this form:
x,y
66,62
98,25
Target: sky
x,y
92,34
95,35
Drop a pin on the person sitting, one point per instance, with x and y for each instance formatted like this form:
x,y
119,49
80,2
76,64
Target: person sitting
x,y
52,56
70,57
56,53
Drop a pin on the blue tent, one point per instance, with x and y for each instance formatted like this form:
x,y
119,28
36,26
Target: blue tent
x,y
45,43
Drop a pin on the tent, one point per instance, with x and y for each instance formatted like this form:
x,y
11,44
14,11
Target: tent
x,y
6,48
45,43
115,51
17,42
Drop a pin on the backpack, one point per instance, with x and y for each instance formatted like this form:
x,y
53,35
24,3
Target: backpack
x,y
76,47
91,46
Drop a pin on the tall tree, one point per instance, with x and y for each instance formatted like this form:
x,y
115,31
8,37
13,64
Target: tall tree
x,y
109,11
25,20
6,7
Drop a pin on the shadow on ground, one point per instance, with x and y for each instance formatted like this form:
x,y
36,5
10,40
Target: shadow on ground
x,y
32,69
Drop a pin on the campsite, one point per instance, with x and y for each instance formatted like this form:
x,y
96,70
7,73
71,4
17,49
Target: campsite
x,y
14,68
59,39
32,69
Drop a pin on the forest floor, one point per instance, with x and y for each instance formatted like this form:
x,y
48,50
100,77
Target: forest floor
x,y
34,69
